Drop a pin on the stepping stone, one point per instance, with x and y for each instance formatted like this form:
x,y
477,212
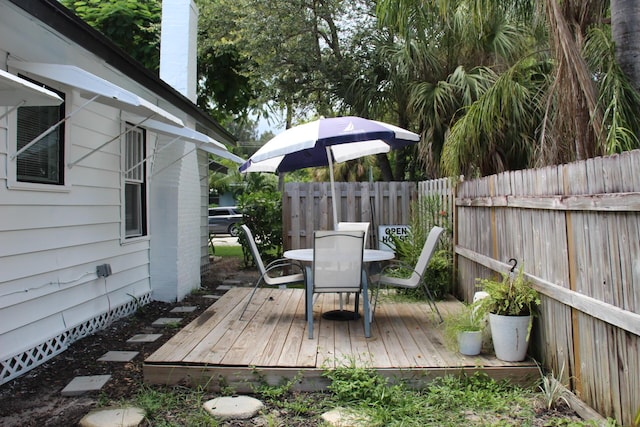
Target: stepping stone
x,y
163,321
111,417
230,284
339,417
183,309
144,338
216,297
118,356
233,407
81,385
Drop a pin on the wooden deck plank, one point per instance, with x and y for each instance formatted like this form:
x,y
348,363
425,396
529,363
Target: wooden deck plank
x,y
388,334
179,346
308,355
359,346
293,345
259,332
270,355
428,335
214,347
273,339
325,331
404,329
377,350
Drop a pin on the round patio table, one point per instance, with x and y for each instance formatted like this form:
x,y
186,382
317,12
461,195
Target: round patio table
x,y
369,255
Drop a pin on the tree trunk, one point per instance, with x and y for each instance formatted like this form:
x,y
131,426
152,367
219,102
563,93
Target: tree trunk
x,y
625,29
385,167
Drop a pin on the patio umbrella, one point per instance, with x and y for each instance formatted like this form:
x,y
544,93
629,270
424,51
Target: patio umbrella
x,y
324,141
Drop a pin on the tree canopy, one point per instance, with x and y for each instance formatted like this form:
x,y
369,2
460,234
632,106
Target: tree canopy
x,y
491,85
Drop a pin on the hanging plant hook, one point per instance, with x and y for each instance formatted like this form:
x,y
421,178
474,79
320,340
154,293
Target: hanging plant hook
x,y
515,263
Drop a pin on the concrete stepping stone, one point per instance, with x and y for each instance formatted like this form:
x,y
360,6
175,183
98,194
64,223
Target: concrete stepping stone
x,y
183,309
340,417
163,321
118,356
144,338
113,417
84,384
215,297
233,407
228,285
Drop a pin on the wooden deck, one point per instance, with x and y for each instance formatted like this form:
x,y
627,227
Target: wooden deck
x,y
271,344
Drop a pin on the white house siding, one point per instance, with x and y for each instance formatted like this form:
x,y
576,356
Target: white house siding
x,y
176,222
52,241
203,167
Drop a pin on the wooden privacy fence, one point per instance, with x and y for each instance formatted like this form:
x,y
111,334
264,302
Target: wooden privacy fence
x,y
306,206
576,230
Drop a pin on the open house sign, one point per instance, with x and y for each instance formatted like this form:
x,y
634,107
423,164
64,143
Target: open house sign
x,y
386,231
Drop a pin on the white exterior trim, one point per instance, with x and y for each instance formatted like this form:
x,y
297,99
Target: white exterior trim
x,y
53,237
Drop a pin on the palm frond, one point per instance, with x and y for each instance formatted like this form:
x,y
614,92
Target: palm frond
x,y
618,100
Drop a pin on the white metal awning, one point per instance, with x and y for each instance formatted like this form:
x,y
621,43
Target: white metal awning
x,y
201,140
225,155
17,92
89,85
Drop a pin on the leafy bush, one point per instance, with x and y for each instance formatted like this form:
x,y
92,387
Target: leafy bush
x,y
262,213
426,214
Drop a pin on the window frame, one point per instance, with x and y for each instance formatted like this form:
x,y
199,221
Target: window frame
x,y
138,178
13,183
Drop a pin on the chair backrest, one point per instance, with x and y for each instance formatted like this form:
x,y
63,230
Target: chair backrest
x,y
354,226
427,251
254,249
337,261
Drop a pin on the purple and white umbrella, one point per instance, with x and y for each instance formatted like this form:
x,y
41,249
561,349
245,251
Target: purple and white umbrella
x,y
324,141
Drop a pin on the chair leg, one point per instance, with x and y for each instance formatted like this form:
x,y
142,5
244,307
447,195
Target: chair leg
x,y
432,301
309,310
356,308
365,306
250,298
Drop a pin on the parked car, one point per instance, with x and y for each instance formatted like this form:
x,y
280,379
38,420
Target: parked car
x,y
225,220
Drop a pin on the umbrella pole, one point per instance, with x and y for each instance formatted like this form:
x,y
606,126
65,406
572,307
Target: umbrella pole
x,y
335,210
333,188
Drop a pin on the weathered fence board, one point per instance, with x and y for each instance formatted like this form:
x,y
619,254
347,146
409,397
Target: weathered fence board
x,y
576,230
307,207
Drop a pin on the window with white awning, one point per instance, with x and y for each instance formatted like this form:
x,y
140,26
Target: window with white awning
x,y
141,112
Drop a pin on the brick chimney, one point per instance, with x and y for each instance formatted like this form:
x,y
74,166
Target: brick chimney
x,y
178,46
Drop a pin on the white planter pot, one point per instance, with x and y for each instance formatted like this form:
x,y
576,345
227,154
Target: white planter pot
x,y
470,342
510,336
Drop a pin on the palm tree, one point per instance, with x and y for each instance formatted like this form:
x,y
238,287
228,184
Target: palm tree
x,y
513,84
625,28
451,51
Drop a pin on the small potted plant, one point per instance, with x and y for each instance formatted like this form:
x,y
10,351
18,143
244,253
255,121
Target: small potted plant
x,y
464,328
511,304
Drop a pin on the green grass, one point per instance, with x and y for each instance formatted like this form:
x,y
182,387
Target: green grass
x,y
228,251
449,401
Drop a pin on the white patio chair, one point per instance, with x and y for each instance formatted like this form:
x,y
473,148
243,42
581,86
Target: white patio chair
x,y
417,271
353,226
265,277
337,267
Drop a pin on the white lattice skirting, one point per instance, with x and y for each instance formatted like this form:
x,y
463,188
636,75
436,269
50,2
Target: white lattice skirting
x,y
21,363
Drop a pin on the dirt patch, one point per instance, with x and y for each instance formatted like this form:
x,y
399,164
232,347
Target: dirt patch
x,y
34,398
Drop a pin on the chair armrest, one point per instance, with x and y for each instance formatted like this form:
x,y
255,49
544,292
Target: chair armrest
x,y
283,262
398,266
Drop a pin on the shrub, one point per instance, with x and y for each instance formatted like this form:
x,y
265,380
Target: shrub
x,y
426,214
262,213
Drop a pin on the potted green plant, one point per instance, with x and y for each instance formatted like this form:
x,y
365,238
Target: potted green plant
x,y
464,329
511,304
